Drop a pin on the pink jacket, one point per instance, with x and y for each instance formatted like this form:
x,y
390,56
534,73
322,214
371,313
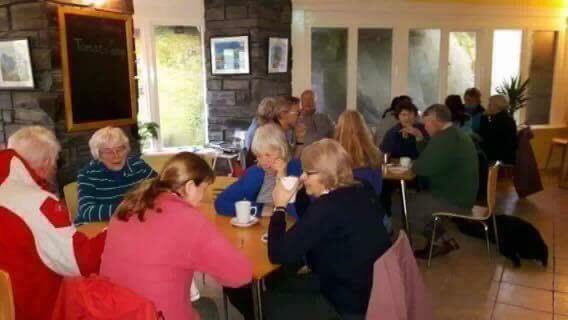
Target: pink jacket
x,y
398,291
157,258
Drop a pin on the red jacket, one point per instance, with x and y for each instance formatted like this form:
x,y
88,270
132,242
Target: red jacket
x,y
38,243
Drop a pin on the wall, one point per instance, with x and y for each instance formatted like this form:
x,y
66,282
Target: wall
x,y
529,3
232,100
37,20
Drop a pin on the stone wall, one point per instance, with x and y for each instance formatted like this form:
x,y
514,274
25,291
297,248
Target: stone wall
x,y
37,20
233,99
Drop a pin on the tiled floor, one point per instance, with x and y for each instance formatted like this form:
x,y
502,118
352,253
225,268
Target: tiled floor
x,y
468,285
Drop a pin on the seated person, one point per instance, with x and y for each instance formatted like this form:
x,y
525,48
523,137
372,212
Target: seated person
x,y
158,238
264,115
273,160
106,179
341,235
449,162
316,124
498,131
473,109
457,108
354,136
38,244
397,143
388,119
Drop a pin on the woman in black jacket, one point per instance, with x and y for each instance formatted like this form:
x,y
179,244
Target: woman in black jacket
x,y
341,235
498,131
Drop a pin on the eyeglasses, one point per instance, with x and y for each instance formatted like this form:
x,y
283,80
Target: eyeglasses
x,y
310,173
113,151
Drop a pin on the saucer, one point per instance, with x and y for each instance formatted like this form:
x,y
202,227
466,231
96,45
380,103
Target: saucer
x,y
398,169
252,222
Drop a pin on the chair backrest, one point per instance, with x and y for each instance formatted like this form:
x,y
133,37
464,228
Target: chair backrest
x,y
7,311
70,192
221,183
492,187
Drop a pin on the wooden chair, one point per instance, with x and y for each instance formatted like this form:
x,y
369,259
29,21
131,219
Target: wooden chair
x,y
221,183
480,217
7,310
561,143
71,195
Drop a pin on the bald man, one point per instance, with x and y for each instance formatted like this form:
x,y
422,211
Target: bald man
x,y
317,125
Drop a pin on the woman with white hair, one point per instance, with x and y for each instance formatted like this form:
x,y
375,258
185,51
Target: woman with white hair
x,y
341,235
106,179
273,156
498,131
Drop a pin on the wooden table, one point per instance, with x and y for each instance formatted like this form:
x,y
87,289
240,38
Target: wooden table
x,y
247,240
407,175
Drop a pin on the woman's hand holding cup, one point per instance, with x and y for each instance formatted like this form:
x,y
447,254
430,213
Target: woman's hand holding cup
x,y
284,191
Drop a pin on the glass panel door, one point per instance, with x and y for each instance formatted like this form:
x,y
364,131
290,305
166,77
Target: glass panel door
x,y
329,69
374,64
424,66
461,62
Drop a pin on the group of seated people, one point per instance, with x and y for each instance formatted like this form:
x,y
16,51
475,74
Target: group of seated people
x,y
156,237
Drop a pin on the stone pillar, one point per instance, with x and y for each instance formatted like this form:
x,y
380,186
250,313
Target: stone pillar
x,y
37,20
232,99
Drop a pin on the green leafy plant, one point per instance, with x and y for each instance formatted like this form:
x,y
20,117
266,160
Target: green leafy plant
x,y
148,130
516,91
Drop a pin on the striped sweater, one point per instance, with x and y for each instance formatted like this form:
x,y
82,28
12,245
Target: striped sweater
x,y
101,190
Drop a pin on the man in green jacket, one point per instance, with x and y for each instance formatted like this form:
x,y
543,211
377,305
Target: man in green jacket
x,y
448,161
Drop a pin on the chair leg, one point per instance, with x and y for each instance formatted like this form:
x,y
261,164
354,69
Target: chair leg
x,y
486,229
496,234
226,306
203,278
436,219
549,156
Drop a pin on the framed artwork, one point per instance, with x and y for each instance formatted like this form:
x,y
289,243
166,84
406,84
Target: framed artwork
x,y
16,64
98,68
230,55
277,55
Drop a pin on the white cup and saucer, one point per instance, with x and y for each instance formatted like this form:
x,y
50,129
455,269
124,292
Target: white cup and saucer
x,y
246,214
405,162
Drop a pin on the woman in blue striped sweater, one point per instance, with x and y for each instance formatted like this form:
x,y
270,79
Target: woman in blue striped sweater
x,y
106,179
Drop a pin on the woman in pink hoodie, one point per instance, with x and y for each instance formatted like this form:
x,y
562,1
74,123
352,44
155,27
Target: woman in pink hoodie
x,y
158,238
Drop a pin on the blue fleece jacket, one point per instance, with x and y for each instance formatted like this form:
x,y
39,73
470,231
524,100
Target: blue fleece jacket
x,y
247,188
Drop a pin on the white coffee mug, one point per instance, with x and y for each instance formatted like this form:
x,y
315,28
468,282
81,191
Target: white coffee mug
x,y
244,209
405,162
289,183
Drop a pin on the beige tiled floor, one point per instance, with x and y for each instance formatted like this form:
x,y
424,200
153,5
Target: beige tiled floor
x,y
468,285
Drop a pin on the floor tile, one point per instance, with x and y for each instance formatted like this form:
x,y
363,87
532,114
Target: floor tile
x,y
561,283
529,276
561,266
534,299
509,312
561,303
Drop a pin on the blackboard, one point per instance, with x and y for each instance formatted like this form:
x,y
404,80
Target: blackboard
x,y
98,67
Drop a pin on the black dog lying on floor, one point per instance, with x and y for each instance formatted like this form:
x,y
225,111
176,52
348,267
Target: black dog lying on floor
x,y
517,238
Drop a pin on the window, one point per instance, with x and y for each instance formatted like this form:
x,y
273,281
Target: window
x,y
374,66
506,63
541,74
329,69
424,66
461,62
180,85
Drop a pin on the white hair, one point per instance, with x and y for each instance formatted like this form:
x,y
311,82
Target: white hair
x,y
499,102
270,137
36,144
107,137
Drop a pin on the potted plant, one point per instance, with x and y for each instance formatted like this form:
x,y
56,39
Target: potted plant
x,y
148,131
516,91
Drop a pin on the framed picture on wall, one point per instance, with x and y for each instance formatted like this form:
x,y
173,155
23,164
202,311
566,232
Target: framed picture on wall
x,y
230,55
277,55
16,64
